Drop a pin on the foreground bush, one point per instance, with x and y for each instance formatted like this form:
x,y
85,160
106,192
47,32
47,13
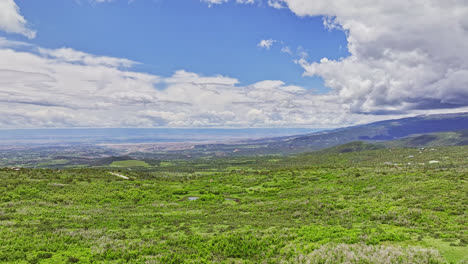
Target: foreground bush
x,y
362,253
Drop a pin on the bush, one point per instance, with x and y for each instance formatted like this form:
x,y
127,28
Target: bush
x,y
361,253
180,192
73,260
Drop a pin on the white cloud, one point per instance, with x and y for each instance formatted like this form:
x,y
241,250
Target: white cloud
x,y
405,54
275,4
266,43
67,88
6,43
218,2
407,57
73,56
245,1
182,76
286,50
12,21
214,2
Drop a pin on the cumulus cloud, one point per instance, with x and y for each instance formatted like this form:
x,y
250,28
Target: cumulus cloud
x,y
407,57
286,50
12,21
266,43
68,88
245,1
405,54
217,2
6,43
72,56
214,2
275,4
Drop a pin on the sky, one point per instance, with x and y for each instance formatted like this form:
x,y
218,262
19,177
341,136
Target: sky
x,y
229,63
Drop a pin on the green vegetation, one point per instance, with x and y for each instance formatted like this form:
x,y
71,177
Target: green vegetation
x,y
366,206
456,138
129,163
52,163
165,164
352,147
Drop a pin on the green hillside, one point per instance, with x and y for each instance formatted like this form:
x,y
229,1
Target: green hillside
x,y
129,163
374,132
456,138
379,206
383,131
358,146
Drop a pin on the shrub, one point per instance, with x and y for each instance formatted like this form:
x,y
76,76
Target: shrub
x,y
361,253
179,192
73,260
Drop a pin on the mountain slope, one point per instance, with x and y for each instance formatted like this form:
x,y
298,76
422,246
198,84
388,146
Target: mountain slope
x,y
456,138
375,132
357,146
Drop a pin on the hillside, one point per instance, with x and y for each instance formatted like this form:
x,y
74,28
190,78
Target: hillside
x,y
456,138
421,131
382,131
308,208
443,139
379,131
357,146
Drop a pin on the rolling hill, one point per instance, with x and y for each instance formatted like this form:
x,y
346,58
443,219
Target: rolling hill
x,y
455,138
377,132
410,132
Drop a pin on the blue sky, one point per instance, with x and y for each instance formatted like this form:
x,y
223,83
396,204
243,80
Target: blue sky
x,y
229,63
166,36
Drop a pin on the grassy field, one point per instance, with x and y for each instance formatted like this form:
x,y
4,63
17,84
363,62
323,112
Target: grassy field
x,y
376,206
129,163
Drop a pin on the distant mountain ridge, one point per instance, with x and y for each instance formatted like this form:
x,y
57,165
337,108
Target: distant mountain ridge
x,y
441,139
420,131
387,130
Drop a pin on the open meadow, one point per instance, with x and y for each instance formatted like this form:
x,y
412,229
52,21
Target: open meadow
x,y
375,206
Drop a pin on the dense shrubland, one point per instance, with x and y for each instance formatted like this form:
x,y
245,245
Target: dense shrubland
x,y
315,208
